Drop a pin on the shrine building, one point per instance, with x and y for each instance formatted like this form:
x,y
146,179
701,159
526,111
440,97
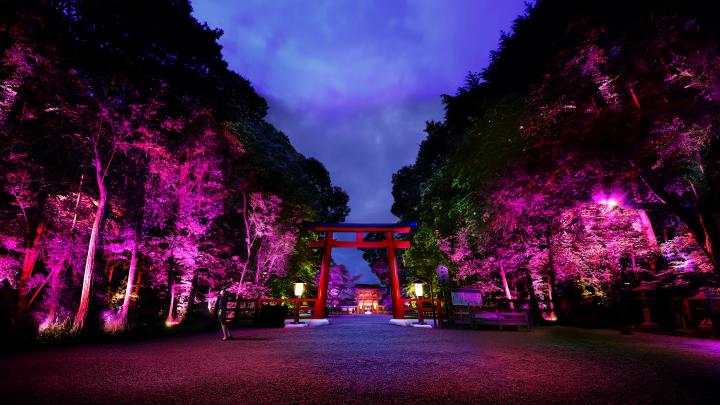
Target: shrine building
x,y
368,298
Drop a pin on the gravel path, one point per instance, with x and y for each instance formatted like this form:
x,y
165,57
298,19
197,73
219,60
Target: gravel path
x,y
363,359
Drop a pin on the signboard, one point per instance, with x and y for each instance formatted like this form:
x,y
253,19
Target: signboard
x,y
467,297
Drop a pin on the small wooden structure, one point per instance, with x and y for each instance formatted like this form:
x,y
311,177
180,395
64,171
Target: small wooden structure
x,y
469,310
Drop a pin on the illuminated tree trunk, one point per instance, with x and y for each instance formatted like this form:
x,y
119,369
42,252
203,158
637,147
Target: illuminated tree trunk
x,y
171,310
551,305
708,242
137,285
709,245
170,320
647,228
31,255
506,287
122,320
550,312
81,315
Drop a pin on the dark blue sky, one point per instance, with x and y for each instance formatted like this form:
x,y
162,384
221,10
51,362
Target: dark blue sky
x,y
352,83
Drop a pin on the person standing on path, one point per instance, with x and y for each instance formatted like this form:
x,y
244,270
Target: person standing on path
x,y
222,315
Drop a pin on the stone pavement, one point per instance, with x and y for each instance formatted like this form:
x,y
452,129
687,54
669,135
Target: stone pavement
x,y
364,359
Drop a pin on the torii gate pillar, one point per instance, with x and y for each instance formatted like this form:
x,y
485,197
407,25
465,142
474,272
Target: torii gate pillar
x,y
397,305
390,243
319,312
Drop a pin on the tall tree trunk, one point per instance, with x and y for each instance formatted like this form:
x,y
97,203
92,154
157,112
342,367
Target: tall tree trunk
x,y
137,285
122,319
550,311
31,255
647,228
506,287
534,305
171,318
551,305
710,244
81,315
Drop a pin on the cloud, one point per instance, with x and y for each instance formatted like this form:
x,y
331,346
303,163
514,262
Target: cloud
x,y
353,82
361,148
340,54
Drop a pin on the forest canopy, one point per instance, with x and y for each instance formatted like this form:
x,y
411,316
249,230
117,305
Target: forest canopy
x,y
138,175
584,158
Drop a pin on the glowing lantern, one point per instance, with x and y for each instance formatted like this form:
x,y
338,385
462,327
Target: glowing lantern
x,y
419,289
612,203
418,300
299,288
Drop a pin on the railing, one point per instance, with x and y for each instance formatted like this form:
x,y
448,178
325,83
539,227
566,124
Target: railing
x,y
244,305
429,308
434,309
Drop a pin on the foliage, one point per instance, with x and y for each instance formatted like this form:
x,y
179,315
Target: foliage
x,y
138,175
591,119
340,284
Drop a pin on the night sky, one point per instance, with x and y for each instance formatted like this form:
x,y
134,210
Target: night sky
x,y
352,83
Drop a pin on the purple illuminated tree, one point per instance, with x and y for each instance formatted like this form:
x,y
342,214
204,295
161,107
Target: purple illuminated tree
x,y
185,197
340,284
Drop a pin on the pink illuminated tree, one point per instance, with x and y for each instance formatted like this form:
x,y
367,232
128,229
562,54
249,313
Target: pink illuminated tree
x,y
21,174
122,127
340,284
185,197
646,109
126,152
268,242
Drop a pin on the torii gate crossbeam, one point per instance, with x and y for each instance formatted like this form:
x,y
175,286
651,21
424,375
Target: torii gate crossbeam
x,y
390,243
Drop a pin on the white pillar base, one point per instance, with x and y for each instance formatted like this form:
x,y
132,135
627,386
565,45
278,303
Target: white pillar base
x,y
289,323
429,323
318,322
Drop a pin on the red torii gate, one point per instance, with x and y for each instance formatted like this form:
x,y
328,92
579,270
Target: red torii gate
x,y
390,243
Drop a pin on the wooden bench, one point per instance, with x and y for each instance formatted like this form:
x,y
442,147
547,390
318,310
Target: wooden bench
x,y
513,318
469,309
484,316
